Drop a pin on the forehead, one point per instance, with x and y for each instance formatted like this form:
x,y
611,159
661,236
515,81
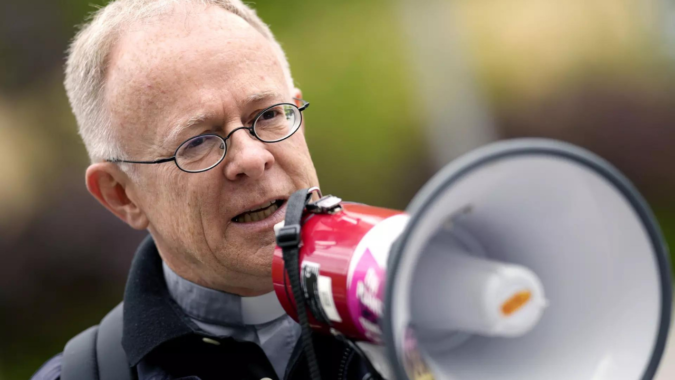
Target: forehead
x,y
187,62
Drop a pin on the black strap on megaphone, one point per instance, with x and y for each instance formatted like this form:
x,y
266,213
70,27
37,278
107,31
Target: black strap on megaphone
x,y
288,238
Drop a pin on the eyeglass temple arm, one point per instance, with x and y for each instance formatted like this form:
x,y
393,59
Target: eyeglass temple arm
x,y
304,105
143,162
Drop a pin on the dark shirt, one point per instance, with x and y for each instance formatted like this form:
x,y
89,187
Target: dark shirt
x,y
163,343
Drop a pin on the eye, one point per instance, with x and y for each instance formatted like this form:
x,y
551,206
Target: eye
x,y
269,114
195,142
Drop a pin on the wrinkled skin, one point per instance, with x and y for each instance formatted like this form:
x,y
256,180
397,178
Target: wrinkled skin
x,y
210,65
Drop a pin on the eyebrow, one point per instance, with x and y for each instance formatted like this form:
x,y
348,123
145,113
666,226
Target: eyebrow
x,y
263,96
189,123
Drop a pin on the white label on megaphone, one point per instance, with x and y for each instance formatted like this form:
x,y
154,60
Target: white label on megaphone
x,y
325,285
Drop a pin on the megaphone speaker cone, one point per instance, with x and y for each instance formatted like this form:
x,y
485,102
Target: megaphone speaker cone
x,y
541,257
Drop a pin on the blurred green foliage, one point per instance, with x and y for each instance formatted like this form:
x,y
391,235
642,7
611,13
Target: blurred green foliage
x,y
349,60
666,218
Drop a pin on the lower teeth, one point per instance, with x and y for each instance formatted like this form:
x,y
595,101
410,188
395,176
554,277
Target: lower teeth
x,y
256,216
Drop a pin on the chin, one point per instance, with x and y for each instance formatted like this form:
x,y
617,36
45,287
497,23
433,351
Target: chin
x,y
265,267
259,261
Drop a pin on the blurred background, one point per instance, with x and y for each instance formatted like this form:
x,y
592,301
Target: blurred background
x,y
398,88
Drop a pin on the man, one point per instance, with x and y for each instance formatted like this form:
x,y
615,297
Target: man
x,y
194,129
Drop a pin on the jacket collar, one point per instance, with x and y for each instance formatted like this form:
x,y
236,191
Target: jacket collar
x,y
151,317
220,308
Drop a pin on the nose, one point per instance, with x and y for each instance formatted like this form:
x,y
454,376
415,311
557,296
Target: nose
x,y
246,156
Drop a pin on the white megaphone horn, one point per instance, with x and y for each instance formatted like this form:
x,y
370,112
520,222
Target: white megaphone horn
x,y
524,260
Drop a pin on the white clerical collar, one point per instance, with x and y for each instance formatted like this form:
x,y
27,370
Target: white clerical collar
x,y
216,307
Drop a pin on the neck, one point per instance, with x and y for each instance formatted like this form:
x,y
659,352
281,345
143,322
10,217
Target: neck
x,y
196,272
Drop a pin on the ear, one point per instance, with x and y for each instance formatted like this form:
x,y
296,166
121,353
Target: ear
x,y
114,190
296,94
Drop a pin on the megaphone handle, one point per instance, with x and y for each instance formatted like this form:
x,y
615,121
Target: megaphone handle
x,y
373,373
288,238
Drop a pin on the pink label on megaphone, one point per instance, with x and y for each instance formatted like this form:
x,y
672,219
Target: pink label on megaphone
x,y
366,296
367,276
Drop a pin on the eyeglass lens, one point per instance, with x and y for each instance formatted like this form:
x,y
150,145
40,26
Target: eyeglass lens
x,y
203,152
200,152
277,122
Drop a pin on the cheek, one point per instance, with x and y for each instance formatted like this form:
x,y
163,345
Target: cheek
x,y
296,160
175,192
293,150
202,202
174,202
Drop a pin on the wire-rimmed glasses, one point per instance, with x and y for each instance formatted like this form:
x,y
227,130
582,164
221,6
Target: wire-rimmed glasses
x,y
203,152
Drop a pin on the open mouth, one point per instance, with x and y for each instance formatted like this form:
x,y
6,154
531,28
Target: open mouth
x,y
259,213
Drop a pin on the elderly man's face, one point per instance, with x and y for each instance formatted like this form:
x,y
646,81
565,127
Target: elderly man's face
x,y
209,68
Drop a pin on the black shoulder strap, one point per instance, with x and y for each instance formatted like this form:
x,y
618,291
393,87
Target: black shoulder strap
x,y
97,353
79,357
111,357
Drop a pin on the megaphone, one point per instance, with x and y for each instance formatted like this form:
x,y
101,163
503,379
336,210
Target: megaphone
x,y
526,259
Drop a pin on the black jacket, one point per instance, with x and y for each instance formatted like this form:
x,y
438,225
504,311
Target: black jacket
x,y
162,343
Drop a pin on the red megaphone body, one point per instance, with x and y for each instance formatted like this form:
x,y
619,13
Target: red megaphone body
x,y
343,268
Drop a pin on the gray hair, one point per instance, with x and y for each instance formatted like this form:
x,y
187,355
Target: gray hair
x,y
88,58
